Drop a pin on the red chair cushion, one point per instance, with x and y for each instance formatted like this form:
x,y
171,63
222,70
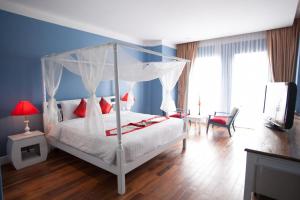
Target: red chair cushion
x,y
105,106
81,109
219,120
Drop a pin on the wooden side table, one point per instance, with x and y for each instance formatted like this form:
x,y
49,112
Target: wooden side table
x,y
27,149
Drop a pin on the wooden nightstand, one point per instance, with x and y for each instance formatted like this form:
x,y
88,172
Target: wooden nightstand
x,y
27,149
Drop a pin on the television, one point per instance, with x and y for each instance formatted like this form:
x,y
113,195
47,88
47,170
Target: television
x,y
279,104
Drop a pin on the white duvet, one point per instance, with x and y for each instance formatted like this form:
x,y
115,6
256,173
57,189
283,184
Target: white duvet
x,y
136,143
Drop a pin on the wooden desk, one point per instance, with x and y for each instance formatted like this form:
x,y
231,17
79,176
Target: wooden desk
x,y
273,164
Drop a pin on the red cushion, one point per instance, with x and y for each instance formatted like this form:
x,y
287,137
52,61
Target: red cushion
x,y
178,115
125,97
105,106
81,108
220,120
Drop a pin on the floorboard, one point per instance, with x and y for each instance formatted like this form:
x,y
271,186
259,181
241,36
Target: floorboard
x,y
212,167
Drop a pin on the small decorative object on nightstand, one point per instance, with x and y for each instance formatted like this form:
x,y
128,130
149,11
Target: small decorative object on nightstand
x,y
27,149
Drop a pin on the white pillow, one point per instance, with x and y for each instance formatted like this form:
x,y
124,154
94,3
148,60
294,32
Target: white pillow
x,y
123,105
68,108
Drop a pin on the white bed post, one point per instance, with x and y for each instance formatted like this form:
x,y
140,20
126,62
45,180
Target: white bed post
x,y
44,94
120,150
186,98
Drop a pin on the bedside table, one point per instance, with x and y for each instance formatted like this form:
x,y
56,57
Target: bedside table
x,y
27,149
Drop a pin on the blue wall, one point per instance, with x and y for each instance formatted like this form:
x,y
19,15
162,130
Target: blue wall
x,y
23,42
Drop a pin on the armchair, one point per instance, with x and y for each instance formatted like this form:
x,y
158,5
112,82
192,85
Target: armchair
x,y
224,120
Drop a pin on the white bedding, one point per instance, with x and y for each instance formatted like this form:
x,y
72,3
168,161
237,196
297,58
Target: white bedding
x,y
136,143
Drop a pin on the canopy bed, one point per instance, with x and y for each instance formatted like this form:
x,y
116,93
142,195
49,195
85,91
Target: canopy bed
x,y
118,141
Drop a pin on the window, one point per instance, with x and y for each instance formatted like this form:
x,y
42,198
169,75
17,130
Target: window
x,y
231,72
205,83
250,74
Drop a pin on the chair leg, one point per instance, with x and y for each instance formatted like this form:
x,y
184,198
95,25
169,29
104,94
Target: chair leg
x,y
207,128
229,131
233,126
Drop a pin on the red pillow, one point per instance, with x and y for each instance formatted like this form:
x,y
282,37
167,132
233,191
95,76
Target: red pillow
x,y
220,120
105,106
178,115
81,108
125,97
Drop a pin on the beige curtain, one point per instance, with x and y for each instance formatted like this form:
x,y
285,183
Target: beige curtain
x,y
187,51
282,47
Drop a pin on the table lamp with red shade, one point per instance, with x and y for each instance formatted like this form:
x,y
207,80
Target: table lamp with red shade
x,y
25,108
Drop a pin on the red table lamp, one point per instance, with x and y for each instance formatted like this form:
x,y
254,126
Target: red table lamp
x,y
25,108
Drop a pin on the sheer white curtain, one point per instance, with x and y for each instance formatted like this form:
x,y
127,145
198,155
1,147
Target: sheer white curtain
x,y
205,85
221,52
89,65
91,75
250,74
168,82
52,76
130,100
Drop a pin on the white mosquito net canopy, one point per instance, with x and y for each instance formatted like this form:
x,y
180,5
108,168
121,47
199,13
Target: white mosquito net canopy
x,y
95,64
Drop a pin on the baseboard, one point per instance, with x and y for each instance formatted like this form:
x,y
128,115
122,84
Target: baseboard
x,y
4,160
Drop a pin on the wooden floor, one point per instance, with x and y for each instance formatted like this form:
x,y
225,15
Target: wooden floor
x,y
212,167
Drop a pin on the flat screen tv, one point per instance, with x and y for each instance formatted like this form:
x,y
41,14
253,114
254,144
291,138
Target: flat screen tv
x,y
279,105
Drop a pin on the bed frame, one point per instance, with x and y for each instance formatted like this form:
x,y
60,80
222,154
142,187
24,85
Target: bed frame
x,y
121,168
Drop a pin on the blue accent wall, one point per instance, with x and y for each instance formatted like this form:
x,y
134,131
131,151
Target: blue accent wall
x,y
154,86
23,41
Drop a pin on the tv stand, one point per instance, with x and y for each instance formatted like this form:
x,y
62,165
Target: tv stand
x,y
274,127
276,156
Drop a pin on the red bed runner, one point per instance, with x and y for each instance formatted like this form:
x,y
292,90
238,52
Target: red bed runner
x,y
137,125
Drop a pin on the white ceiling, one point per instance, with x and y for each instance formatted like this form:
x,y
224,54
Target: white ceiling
x,y
172,21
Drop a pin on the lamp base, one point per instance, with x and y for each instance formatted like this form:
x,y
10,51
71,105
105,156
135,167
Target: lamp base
x,y
27,128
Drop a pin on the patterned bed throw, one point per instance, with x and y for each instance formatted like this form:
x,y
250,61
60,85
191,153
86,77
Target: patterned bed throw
x,y
137,125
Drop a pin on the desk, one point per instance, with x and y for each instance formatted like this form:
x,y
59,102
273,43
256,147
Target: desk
x,y
273,164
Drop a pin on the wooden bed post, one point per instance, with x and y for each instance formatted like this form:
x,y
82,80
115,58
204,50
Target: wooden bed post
x,y
120,151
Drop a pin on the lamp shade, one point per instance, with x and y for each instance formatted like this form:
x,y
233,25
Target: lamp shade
x,y
24,108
